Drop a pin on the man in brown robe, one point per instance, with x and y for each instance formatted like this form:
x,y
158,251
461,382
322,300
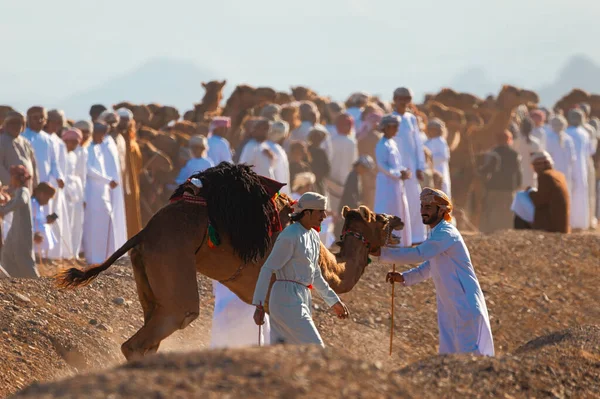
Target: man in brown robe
x,y
133,170
16,150
551,200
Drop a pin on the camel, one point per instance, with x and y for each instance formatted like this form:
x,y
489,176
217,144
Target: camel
x,y
155,163
222,230
578,96
209,106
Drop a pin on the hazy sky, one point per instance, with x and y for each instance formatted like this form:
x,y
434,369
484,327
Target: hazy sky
x,y
71,45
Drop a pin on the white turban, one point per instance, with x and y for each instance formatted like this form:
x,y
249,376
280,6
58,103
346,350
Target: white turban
x,y
198,140
109,117
541,157
389,119
278,131
84,125
311,201
303,179
124,113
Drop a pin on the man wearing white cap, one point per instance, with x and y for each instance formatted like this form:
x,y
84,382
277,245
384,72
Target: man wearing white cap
x,y
295,262
463,320
413,156
199,162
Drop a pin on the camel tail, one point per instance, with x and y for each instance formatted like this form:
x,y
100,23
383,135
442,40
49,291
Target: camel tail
x,y
74,277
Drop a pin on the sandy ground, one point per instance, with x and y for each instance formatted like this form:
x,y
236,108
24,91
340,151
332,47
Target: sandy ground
x,y
539,287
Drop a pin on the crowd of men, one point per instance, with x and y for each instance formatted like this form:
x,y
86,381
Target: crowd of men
x,y
364,154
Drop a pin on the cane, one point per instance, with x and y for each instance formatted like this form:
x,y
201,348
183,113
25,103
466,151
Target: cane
x,y
392,323
260,327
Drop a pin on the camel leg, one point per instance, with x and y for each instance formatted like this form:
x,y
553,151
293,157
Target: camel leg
x,y
169,296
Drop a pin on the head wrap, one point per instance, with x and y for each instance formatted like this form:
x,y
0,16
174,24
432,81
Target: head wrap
x,y
389,119
541,158
595,122
575,117
303,179
319,132
437,123
20,172
504,137
439,198
100,127
278,131
12,115
72,134
57,114
558,123
46,187
538,115
84,125
125,113
371,121
185,153
271,112
586,108
403,92
366,161
311,201
109,117
219,121
198,140
358,99
334,107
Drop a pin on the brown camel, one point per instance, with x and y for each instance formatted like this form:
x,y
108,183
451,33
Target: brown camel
x,y
578,96
176,244
209,106
154,163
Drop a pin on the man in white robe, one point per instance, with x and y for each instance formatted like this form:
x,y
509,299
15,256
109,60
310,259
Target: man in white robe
x,y
232,324
526,144
390,195
309,117
278,133
98,233
413,156
355,106
257,153
62,227
345,153
440,151
219,149
580,199
561,148
75,175
463,320
295,262
112,159
539,131
47,159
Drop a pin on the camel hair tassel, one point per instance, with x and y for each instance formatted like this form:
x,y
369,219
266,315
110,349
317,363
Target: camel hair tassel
x,y
392,318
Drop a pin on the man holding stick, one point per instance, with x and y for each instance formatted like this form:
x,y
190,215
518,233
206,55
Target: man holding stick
x,y
462,313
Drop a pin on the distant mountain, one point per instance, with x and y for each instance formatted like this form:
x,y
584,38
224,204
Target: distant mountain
x,y
579,72
475,81
166,81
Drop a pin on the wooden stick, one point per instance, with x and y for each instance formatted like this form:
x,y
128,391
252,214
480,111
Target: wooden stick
x,y
260,329
392,323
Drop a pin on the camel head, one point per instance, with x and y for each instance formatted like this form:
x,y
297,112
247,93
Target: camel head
x,y
214,94
511,97
373,229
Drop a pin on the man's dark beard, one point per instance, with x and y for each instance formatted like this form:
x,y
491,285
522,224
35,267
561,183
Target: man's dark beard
x,y
432,219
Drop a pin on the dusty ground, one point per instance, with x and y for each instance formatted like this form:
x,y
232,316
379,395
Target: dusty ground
x,y
535,284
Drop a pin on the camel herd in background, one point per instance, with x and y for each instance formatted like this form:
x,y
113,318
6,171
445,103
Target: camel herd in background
x,y
472,125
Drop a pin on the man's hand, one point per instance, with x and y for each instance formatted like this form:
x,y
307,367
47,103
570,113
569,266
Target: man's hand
x,y
268,153
50,219
113,184
61,183
405,174
420,175
394,277
38,238
259,316
341,310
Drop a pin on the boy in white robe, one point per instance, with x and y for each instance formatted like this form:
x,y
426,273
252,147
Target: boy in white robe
x,y
410,146
390,195
43,235
345,153
463,319
74,185
199,162
295,262
440,152
561,148
98,234
526,144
